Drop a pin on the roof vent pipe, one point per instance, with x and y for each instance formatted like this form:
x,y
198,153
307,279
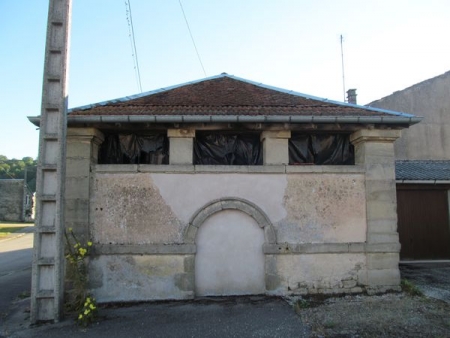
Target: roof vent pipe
x,y
351,96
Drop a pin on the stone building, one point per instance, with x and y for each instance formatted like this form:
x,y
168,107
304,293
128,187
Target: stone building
x,y
224,186
15,201
423,169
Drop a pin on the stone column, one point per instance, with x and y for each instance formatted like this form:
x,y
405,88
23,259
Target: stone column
x,y
181,146
374,149
275,147
82,151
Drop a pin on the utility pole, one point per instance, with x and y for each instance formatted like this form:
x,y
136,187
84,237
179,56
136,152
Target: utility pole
x,y
343,72
47,285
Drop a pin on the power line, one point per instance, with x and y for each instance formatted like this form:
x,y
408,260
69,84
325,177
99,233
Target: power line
x,y
192,38
133,43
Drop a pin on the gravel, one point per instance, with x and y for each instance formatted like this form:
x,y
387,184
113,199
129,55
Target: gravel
x,y
388,315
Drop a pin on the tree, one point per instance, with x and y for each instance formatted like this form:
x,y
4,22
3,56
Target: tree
x,y
15,169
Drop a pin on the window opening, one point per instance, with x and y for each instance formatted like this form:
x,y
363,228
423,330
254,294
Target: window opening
x,y
134,148
321,149
221,148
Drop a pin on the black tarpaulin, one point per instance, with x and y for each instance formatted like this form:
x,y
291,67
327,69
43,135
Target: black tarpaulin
x,y
323,149
134,149
227,149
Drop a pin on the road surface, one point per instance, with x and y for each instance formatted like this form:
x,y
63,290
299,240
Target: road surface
x,y
16,256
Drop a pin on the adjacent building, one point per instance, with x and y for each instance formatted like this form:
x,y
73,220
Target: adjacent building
x,y
423,169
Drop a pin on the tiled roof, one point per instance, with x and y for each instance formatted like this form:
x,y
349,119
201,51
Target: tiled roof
x,y
422,170
227,95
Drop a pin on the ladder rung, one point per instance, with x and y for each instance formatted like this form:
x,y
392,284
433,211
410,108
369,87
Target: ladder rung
x,y
53,79
57,23
47,198
49,167
51,108
46,261
48,137
45,294
47,229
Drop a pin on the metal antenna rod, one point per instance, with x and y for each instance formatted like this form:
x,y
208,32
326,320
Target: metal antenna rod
x,y
343,72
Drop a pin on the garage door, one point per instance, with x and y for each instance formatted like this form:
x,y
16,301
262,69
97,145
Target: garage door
x,y
229,259
423,222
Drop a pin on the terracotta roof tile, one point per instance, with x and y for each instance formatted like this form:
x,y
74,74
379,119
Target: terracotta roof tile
x,y
225,95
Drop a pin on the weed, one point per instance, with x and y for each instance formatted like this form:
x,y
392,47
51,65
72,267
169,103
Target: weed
x,y
80,300
23,295
329,324
301,304
410,288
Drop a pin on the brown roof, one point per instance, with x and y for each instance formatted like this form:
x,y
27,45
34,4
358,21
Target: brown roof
x,y
226,95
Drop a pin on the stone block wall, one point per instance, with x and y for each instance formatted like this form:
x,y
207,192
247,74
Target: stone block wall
x,y
11,200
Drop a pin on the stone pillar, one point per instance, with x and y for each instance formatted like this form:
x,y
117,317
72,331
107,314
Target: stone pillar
x,y
82,151
275,147
374,149
181,146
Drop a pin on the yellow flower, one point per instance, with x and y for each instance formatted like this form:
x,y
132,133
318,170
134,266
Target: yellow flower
x,y
89,243
88,300
80,316
76,245
87,311
70,229
92,307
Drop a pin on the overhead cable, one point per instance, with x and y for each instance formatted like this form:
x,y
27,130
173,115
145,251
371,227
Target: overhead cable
x,y
192,38
133,43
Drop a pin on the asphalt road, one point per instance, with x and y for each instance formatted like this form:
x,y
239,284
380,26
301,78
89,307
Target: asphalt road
x,y
15,270
253,316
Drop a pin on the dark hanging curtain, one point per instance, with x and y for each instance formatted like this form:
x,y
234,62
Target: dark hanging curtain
x,y
227,149
321,149
134,149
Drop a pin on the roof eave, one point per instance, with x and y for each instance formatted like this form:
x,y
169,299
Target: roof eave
x,y
388,120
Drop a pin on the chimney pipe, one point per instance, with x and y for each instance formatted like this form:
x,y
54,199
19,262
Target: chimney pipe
x,y
351,96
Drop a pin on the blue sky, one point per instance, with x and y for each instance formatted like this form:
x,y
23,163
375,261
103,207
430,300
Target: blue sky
x,y
292,44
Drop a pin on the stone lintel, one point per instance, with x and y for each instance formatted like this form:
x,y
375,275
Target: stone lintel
x,y
85,133
280,134
374,135
181,133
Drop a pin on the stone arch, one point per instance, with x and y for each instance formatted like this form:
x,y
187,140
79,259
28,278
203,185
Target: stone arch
x,y
228,203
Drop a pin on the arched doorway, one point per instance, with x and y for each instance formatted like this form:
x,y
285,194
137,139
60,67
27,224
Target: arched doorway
x,y
230,258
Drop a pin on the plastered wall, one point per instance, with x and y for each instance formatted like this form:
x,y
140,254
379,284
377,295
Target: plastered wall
x,y
150,213
156,208
429,139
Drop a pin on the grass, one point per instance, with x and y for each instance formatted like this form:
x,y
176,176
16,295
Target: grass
x,y
7,228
